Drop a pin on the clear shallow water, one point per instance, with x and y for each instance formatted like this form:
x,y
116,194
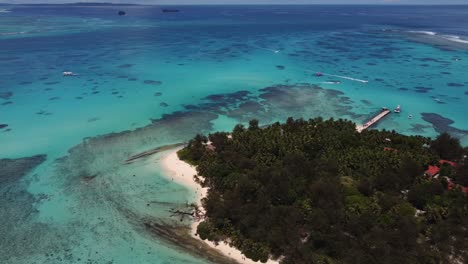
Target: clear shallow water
x,y
158,79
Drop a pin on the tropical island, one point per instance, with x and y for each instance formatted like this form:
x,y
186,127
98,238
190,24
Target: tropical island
x,y
317,191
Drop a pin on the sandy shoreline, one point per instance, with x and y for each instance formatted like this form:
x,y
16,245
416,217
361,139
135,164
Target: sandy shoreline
x,y
182,173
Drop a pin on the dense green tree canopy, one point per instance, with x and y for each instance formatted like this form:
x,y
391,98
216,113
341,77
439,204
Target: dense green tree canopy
x,y
319,192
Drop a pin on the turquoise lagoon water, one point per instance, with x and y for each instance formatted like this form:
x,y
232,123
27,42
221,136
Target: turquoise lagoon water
x,y
150,79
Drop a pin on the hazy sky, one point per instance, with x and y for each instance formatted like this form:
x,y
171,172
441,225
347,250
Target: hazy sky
x,y
250,1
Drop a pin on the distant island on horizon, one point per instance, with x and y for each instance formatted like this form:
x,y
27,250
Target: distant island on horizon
x,y
244,4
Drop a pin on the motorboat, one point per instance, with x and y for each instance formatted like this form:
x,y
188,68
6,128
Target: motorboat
x,y
68,73
397,109
410,116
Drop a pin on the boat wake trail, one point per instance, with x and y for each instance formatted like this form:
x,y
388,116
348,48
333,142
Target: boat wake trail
x,y
346,77
272,50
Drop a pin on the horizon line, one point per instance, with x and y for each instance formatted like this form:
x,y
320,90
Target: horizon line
x,y
243,4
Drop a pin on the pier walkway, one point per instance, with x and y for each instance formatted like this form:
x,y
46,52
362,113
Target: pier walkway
x,y
374,120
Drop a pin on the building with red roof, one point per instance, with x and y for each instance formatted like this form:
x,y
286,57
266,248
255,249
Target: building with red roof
x,y
451,163
432,171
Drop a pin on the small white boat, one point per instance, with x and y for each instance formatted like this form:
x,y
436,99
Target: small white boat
x,y
68,73
397,109
410,116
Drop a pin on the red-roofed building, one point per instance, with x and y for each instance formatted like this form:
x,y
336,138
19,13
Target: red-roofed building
x,y
432,171
451,163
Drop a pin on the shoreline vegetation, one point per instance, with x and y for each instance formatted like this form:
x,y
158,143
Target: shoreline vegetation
x,y
317,191
183,173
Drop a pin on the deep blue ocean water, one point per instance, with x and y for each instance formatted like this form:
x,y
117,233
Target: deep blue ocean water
x,y
153,78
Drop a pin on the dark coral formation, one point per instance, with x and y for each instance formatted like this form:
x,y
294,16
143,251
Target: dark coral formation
x,y
455,85
6,95
18,212
419,128
152,82
51,83
279,101
442,124
124,66
421,89
11,170
366,102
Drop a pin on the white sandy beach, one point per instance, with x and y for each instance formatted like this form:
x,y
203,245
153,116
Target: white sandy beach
x,y
182,173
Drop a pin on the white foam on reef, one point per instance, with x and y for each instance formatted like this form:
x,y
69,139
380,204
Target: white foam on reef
x,y
12,33
453,38
430,33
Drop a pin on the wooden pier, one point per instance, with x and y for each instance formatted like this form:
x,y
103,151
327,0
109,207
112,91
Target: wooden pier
x,y
374,120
